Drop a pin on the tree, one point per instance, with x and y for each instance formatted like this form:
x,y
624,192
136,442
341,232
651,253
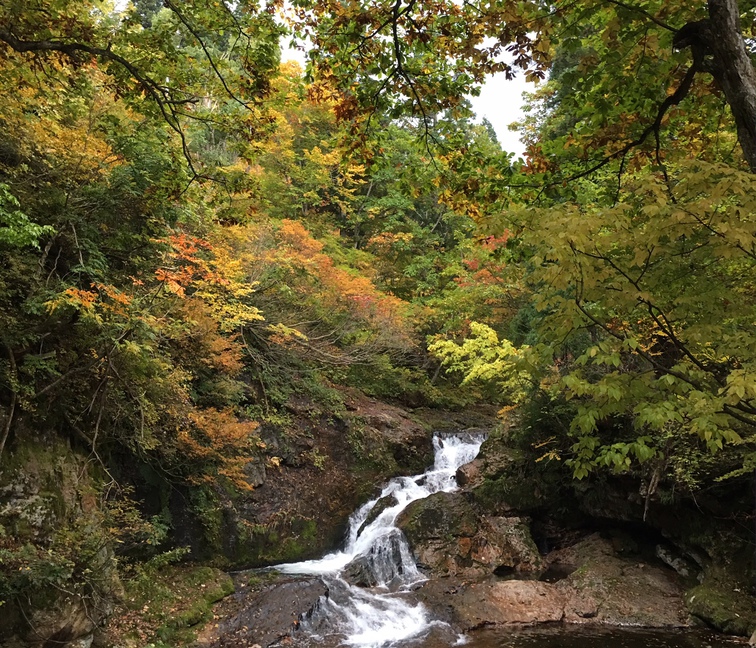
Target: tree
x,y
386,54
155,55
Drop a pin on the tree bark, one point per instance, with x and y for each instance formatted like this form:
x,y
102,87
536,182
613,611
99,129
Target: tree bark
x,y
732,68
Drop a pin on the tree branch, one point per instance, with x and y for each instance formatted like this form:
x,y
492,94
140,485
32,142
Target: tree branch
x,y
14,398
643,12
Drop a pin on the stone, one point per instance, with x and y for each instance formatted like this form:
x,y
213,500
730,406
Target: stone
x,y
265,616
676,562
599,587
618,590
496,602
380,506
469,475
447,538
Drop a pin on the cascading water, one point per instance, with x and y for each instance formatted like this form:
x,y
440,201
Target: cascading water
x,y
376,555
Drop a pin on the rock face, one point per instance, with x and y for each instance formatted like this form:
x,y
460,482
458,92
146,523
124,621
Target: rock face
x,y
449,538
263,615
696,538
603,588
54,547
618,590
324,465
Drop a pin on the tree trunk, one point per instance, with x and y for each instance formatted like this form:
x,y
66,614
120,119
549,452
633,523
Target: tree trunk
x,y
733,70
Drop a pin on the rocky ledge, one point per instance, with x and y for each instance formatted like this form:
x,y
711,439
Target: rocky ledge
x,y
486,570
593,585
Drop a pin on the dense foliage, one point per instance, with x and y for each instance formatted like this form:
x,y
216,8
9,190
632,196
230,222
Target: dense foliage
x,y
192,233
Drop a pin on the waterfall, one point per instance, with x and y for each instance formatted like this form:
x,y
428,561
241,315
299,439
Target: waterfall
x,y
376,556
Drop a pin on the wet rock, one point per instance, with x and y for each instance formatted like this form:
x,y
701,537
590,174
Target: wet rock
x,y
440,516
359,572
385,563
380,506
265,616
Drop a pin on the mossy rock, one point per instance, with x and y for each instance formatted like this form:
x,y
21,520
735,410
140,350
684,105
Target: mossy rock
x,y
171,603
442,515
724,607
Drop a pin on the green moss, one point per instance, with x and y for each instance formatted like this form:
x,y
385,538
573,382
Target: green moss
x,y
52,536
722,606
297,546
176,600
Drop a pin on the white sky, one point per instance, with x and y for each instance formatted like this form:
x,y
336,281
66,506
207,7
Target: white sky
x,y
500,101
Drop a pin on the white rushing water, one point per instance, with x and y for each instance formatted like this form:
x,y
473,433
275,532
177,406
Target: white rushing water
x,y
377,551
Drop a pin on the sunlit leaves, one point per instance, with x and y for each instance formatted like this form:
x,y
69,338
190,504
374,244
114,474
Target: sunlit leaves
x,y
483,357
663,281
16,230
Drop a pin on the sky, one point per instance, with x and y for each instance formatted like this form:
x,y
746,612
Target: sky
x,y
500,102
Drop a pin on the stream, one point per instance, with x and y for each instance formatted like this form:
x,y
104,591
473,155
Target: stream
x,y
385,614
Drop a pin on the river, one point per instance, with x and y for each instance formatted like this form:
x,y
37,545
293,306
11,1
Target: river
x,y
387,615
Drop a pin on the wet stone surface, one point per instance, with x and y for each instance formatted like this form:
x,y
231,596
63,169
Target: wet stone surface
x,y
263,615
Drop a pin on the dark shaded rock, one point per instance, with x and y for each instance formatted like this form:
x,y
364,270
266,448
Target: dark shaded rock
x,y
384,564
674,560
264,616
360,572
380,506
321,466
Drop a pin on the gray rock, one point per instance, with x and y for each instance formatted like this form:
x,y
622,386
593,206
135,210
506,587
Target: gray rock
x,y
673,560
268,615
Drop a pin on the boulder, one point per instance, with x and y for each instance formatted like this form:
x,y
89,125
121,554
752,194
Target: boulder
x,y
264,616
384,563
602,588
447,537
498,602
470,475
